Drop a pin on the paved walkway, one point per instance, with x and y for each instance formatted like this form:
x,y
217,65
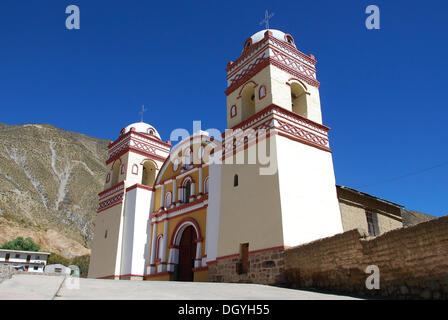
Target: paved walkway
x,y
24,286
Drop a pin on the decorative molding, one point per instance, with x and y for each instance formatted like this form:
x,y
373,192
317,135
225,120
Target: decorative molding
x,y
110,191
106,204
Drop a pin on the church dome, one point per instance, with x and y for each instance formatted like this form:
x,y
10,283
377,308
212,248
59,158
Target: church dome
x,y
142,127
280,35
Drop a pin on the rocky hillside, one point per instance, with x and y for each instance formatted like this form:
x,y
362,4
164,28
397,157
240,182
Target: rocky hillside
x,y
49,181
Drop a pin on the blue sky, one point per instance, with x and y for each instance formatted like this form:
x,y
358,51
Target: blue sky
x,y
383,92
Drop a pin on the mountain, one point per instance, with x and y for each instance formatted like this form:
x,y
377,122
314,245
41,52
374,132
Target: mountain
x,y
49,183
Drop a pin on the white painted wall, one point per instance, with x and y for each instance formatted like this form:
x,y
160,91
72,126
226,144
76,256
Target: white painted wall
x,y
213,210
310,208
135,231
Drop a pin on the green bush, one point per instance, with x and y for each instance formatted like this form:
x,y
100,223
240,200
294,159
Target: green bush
x,y
55,258
82,262
21,244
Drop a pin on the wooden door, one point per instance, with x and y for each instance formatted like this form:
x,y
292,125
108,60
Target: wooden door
x,y
187,254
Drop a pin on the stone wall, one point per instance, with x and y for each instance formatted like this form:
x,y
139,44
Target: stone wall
x,y
266,267
6,272
413,262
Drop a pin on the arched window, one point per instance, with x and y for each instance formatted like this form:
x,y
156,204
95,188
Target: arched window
x,y
187,191
108,178
298,100
248,43
187,158
235,180
158,253
168,197
115,172
149,173
233,111
122,169
206,185
289,39
134,169
248,102
262,92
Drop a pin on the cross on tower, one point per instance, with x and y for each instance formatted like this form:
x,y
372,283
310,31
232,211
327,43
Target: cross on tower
x,y
141,113
267,16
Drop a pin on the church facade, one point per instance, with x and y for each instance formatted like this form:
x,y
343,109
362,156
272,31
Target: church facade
x,y
212,210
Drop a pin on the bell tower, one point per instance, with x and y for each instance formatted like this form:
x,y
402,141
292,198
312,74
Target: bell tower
x,y
287,196
120,244
271,71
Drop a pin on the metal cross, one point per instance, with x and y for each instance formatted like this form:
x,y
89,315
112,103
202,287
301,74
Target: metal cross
x,y
141,113
267,16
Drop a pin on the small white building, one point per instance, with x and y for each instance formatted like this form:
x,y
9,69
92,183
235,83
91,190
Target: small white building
x,y
58,268
30,261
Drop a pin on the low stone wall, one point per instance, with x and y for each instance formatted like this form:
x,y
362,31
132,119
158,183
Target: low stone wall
x,y
413,262
6,272
266,267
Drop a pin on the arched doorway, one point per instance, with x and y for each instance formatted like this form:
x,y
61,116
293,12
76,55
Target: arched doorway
x,y
187,254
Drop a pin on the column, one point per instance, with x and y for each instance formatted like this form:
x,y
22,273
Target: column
x,y
162,200
198,259
173,199
152,260
162,265
200,180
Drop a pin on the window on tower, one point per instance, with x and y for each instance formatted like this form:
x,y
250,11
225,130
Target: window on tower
x,y
235,180
115,172
149,173
298,100
248,102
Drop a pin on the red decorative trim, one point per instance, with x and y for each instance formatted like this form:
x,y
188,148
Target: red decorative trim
x,y
192,221
282,110
111,202
135,150
184,180
243,86
111,188
134,133
158,274
183,206
140,186
148,159
281,59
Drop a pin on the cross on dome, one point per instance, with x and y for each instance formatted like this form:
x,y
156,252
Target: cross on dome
x,y
267,16
141,113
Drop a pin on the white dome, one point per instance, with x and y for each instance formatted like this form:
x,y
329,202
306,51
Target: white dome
x,y
142,127
280,35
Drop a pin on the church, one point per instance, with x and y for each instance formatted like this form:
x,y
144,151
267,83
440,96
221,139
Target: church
x,y
226,210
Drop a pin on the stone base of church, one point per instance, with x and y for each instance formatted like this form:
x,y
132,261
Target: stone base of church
x,y
265,267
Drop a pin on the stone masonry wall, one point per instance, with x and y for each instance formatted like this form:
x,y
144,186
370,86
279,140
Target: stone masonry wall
x,y
264,267
413,262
